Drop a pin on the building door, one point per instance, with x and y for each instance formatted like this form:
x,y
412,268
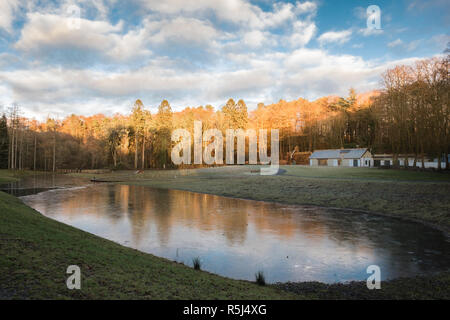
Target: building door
x,y
355,163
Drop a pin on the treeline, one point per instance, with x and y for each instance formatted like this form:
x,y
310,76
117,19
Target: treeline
x,y
414,110
408,116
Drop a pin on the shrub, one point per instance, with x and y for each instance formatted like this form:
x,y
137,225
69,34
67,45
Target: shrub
x,y
260,279
197,264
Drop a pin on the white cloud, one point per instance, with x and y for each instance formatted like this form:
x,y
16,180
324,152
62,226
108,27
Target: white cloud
x,y
308,73
7,11
234,11
190,52
360,12
313,73
441,41
255,38
413,45
370,32
303,32
340,37
421,5
405,46
181,29
395,43
45,32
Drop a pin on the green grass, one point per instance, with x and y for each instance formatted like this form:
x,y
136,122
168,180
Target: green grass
x,y
15,175
417,288
35,251
376,174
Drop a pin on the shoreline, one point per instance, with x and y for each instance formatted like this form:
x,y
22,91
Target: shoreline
x,y
407,219
398,288
353,289
244,199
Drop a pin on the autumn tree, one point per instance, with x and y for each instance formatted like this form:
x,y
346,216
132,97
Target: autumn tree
x,y
115,135
137,123
163,128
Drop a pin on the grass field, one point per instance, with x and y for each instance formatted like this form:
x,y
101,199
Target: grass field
x,y
35,251
10,175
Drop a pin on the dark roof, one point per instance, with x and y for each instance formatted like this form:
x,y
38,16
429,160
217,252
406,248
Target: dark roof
x,y
338,154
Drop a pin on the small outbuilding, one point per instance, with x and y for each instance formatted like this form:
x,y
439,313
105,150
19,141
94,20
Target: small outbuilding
x,y
358,157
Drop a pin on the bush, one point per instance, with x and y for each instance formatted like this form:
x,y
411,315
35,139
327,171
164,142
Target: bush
x,y
197,264
260,279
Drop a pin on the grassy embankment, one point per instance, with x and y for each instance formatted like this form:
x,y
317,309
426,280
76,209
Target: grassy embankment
x,y
422,196
35,251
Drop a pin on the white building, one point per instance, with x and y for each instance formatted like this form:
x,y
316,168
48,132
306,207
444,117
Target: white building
x,y
388,160
360,157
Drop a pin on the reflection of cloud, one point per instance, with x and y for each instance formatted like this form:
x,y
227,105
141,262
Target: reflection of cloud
x,y
238,237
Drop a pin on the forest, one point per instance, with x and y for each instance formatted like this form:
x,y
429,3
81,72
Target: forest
x,y
409,115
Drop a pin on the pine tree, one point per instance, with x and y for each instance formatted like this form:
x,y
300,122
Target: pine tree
x,y
4,143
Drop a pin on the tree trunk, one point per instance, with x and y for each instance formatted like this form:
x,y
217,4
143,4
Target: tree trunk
x,y
143,152
12,148
20,164
136,152
423,161
34,156
9,152
54,152
447,162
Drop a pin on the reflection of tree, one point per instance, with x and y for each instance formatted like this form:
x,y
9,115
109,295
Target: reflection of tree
x,y
139,209
244,222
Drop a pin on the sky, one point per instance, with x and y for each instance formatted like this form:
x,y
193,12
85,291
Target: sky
x,y
99,56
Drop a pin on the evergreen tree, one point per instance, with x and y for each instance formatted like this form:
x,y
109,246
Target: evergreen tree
x,y
4,143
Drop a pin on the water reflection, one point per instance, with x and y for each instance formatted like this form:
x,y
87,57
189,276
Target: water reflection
x,y
236,238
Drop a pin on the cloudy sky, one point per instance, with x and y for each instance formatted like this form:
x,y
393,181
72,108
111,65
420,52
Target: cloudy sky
x,y
198,52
